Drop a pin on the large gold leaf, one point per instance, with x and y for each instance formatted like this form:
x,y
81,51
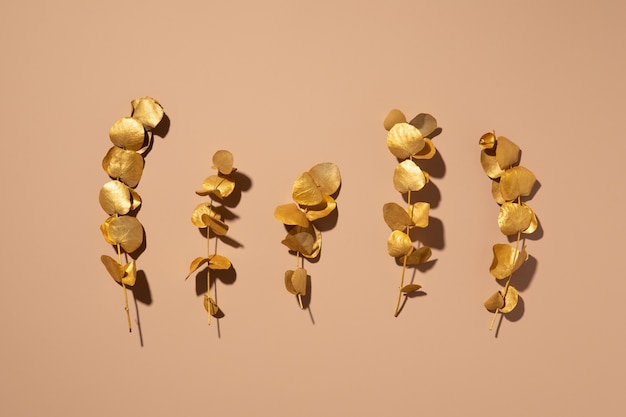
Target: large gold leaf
x,y
327,177
515,182
305,191
321,210
148,111
130,274
425,123
419,256
495,302
217,185
307,241
394,116
408,177
195,264
291,214
299,281
514,218
396,216
510,299
127,166
399,244
218,262
428,151
404,140
128,133
419,213
223,161
115,269
288,283
487,141
209,303
490,164
127,231
202,209
216,225
507,152
115,197
506,260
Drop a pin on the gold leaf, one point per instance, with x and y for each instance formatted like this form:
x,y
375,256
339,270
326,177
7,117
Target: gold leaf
x,y
490,165
223,161
218,262
419,213
506,260
495,192
507,152
410,288
104,228
515,182
127,166
305,191
200,210
487,141
327,177
399,244
216,225
510,299
115,269
290,214
128,133
307,241
195,264
288,283
130,276
396,217
428,151
321,210
514,218
127,231
395,116
404,140
217,185
496,301
299,281
425,123
115,197
533,223
210,303
148,111
419,256
135,199
408,177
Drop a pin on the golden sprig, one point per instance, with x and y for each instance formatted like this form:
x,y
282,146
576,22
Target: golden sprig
x,y
408,142
208,216
499,158
313,195
132,137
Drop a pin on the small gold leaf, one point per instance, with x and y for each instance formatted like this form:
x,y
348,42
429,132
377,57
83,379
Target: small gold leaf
x,y
506,260
395,116
321,210
305,191
135,199
307,241
408,177
419,213
327,177
514,218
200,210
507,152
148,111
115,197
496,301
127,231
495,192
510,299
104,228
210,303
288,283
404,140
419,256
128,133
299,281
425,123
490,164
290,214
533,223
195,264
218,262
115,269
428,151
410,288
396,217
223,161
130,276
487,141
515,182
127,166
216,225
399,244
219,186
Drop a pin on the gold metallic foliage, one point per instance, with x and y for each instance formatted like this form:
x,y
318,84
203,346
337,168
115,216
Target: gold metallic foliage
x,y
313,195
124,163
499,158
208,216
408,142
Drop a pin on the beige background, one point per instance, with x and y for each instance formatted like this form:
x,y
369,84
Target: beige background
x,y
285,85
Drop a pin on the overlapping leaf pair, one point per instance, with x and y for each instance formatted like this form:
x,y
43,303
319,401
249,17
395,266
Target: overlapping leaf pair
x,y
312,193
131,137
408,142
499,158
208,216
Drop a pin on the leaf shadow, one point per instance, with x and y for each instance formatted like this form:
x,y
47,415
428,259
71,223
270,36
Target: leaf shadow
x,y
432,236
226,276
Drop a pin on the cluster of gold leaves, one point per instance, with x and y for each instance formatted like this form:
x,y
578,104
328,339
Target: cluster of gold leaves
x,y
131,137
208,216
408,142
312,193
499,158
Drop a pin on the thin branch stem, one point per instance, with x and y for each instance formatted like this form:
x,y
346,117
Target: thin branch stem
x,y
119,259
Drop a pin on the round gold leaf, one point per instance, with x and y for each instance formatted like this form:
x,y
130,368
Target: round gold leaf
x,y
396,216
515,182
219,186
288,283
299,281
127,166
428,151
218,262
410,288
305,191
130,274
419,256
395,116
216,225
496,301
510,299
425,123
495,192
490,164
195,264
399,244
507,152
533,223
210,303
290,214
115,197
487,141
115,269
127,231
200,210
104,228
223,161
408,177
419,213
506,260
128,133
307,241
514,218
404,140
321,210
148,111
327,177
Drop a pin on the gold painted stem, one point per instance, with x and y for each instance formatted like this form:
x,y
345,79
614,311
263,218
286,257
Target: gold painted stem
x,y
408,229
297,266
119,259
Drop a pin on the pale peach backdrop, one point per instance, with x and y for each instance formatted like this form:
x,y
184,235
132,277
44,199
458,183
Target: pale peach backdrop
x,y
284,85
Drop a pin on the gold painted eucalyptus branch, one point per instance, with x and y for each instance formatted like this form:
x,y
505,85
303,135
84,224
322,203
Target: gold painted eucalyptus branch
x,y
132,138
208,216
312,193
499,158
408,142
